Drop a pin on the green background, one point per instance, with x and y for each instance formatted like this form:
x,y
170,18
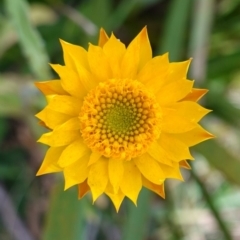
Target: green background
x,y
205,206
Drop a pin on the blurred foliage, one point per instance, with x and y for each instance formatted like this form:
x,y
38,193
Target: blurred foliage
x,y
206,206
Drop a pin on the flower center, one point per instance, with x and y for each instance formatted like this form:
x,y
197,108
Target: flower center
x,y
120,119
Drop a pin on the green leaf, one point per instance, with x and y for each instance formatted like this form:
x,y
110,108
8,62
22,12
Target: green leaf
x,y
121,13
101,7
29,39
222,66
66,217
135,225
221,159
175,29
221,107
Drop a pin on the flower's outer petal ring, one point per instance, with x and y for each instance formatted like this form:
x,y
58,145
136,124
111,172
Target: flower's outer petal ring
x,y
145,48
178,70
174,148
51,87
103,38
195,95
184,164
59,138
51,118
173,171
72,153
190,110
150,168
63,134
172,122
99,64
70,50
174,91
115,172
83,189
114,50
158,153
49,164
77,172
98,177
138,53
158,189
153,74
70,81
194,136
116,198
66,105
131,182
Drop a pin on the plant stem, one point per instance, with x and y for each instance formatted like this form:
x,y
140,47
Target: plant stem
x,y
212,207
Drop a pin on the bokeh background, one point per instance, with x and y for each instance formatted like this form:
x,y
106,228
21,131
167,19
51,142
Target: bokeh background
x,y
206,206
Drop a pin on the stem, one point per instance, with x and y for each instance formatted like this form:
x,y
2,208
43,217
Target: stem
x,y
212,207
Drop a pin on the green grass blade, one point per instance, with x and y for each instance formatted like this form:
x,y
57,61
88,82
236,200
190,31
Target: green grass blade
x,y
200,33
135,225
121,13
29,39
221,159
212,206
66,218
175,29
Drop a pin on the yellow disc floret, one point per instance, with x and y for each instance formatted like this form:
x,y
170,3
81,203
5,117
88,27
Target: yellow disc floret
x,y
120,119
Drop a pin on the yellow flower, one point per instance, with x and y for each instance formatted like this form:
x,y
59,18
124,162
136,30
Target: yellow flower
x,y
119,119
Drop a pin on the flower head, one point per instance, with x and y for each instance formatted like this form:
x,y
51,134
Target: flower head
x,y
119,119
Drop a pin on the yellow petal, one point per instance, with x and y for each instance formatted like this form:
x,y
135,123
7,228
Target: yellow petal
x,y
145,48
175,123
73,152
70,50
178,70
138,53
184,164
95,156
114,50
194,136
174,148
70,81
131,182
80,77
190,110
59,138
158,189
49,164
150,168
103,38
98,177
173,171
153,74
71,124
115,172
51,118
109,188
63,134
195,95
174,91
83,189
77,172
157,152
51,87
41,123
50,97
66,105
99,64
116,198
